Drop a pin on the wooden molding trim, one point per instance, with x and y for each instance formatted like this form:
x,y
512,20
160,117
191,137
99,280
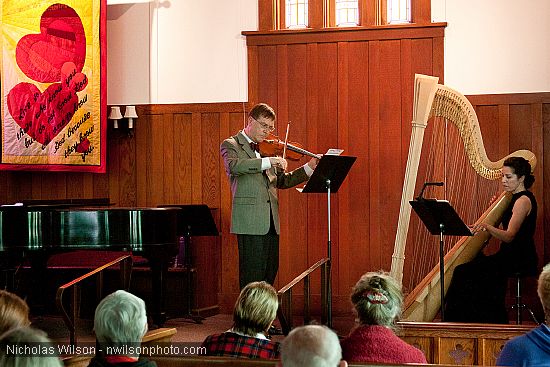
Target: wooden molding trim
x,y
397,31
154,109
509,98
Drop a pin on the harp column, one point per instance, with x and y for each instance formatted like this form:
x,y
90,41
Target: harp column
x,y
424,92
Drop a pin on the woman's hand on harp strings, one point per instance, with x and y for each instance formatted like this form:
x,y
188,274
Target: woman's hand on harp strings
x,y
480,227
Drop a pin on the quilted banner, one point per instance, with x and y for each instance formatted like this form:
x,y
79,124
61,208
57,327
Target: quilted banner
x,y
53,85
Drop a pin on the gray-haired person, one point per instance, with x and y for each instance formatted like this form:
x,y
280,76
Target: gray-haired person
x,y
27,347
120,322
312,346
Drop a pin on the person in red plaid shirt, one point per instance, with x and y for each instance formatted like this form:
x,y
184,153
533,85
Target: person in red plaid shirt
x,y
254,312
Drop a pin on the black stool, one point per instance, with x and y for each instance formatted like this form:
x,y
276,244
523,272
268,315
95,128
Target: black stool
x,y
519,306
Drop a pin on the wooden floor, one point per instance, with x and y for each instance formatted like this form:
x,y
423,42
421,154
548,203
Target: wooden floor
x,y
187,330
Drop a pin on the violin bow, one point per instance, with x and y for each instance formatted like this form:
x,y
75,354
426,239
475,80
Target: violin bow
x,y
286,140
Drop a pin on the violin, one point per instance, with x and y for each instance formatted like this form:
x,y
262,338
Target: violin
x,y
273,146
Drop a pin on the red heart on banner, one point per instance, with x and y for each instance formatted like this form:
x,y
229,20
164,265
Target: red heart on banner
x,y
61,39
43,115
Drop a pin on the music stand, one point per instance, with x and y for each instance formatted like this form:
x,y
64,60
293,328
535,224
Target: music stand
x,y
441,219
192,220
327,177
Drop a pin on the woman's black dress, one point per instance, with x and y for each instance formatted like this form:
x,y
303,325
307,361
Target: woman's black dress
x,y
478,289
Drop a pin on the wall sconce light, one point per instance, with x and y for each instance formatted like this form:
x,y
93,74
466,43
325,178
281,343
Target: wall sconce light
x,y
115,115
130,114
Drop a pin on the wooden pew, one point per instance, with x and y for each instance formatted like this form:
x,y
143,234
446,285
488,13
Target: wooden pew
x,y
459,343
151,338
204,361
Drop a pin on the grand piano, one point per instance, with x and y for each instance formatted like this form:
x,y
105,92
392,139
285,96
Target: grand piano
x,y
35,230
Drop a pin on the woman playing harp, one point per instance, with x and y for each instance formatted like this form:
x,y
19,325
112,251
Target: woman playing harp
x,y
478,288
454,124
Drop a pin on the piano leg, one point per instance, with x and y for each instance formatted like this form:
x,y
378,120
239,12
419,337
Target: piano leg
x,y
159,270
38,294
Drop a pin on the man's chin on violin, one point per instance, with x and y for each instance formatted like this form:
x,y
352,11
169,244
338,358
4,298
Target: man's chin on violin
x,y
259,129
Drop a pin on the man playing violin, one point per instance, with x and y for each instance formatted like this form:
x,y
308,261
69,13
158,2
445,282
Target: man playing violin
x,y
254,182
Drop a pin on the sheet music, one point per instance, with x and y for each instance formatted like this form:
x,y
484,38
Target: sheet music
x,y
334,151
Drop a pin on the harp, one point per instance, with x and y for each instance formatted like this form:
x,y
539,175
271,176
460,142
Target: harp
x,y
449,106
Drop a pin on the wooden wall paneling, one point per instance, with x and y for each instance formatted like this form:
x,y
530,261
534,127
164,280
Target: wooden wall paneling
x,y
355,246
520,127
127,171
421,11
422,50
544,181
375,166
5,188
267,75
281,65
316,14
266,15
253,73
36,183
113,164
229,288
281,109
327,137
142,156
367,12
407,88
196,154
210,159
183,143
292,204
19,185
155,161
488,117
538,149
345,34
75,185
438,59
390,134
494,123
316,242
168,154
503,143
101,186
53,185
343,209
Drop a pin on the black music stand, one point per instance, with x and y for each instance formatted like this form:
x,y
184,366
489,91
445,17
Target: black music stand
x,y
327,177
193,220
441,219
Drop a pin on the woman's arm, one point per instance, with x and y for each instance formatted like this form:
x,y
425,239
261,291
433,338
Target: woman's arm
x,y
522,208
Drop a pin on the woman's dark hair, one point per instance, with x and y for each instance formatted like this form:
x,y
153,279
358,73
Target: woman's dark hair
x,y
521,167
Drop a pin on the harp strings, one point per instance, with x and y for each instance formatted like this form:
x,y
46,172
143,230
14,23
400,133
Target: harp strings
x,y
467,192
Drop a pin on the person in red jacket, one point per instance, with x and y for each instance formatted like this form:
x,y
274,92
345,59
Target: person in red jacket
x,y
377,299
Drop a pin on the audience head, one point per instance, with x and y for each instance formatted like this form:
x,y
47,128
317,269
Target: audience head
x,y
311,346
28,347
255,309
543,291
521,168
120,318
377,299
14,312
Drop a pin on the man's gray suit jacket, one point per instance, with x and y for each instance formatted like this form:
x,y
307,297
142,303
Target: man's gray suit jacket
x,y
254,192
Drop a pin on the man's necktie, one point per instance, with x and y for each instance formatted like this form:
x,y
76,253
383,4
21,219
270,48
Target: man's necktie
x,y
254,146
